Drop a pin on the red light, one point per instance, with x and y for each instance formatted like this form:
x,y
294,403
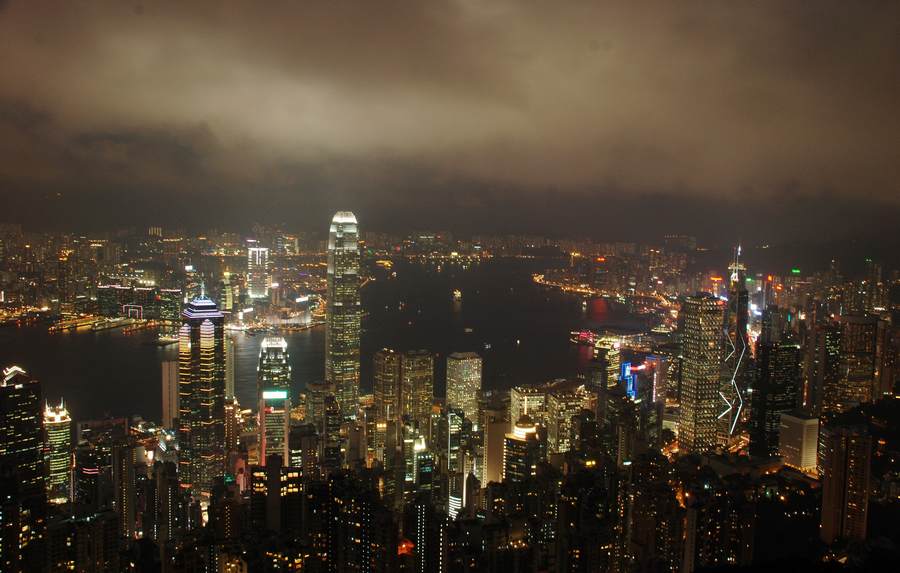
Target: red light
x,y
405,547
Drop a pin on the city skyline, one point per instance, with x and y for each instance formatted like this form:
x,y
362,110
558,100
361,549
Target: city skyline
x,y
472,286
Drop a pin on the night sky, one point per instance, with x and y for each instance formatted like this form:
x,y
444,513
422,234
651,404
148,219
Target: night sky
x,y
763,120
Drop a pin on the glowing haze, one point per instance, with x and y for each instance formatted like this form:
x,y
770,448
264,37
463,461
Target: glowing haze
x,y
392,108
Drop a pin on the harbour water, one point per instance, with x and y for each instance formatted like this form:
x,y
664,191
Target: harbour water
x,y
521,330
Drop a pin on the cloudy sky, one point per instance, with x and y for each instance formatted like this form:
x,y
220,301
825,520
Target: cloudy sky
x,y
601,118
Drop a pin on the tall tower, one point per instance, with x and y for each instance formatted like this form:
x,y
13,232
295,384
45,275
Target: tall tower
x,y
417,381
734,383
23,501
257,270
58,433
464,383
201,393
387,384
701,360
342,313
274,387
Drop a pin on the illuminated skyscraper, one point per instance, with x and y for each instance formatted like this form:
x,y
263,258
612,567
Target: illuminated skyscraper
x,y
455,474
274,385
700,370
201,393
257,271
464,383
523,449
342,313
58,433
776,391
417,381
387,384
735,366
858,360
22,491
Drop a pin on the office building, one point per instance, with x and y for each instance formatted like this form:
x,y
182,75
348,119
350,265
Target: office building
x,y
798,440
386,377
58,444
464,383
201,395
417,385
776,391
23,501
523,449
737,354
856,384
527,400
257,271
169,393
342,312
273,386
702,317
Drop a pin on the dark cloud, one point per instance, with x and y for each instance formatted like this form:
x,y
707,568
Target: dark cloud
x,y
394,108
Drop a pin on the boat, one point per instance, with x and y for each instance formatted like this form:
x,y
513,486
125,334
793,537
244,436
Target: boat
x,y
457,295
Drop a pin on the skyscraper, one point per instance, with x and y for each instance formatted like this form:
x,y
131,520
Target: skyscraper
x,y
417,382
257,271
464,383
273,385
201,384
735,365
386,377
776,391
523,449
701,352
58,432
169,393
846,454
342,312
22,491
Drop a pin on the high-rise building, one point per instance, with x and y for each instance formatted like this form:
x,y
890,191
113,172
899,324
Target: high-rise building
x,y
845,454
702,317
331,457
169,393
23,498
201,395
523,449
464,383
455,474
342,312
229,367
417,385
386,378
274,385
856,384
257,270
776,391
823,369
124,492
798,440
530,400
736,369
274,422
563,403
58,433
